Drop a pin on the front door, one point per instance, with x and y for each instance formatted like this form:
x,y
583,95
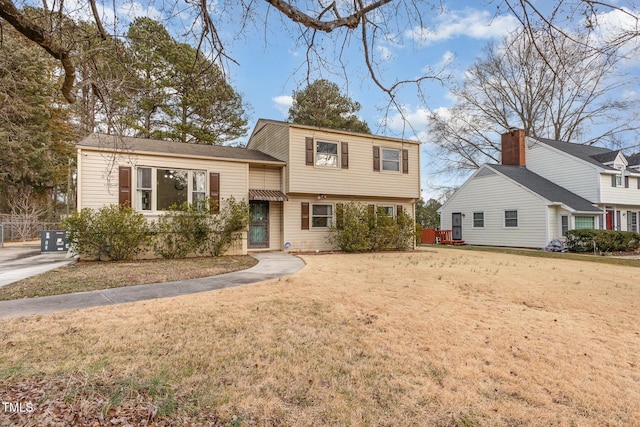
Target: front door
x,y
259,226
456,226
609,220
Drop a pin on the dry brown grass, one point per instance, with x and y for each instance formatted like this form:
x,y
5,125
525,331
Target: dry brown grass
x,y
94,275
445,339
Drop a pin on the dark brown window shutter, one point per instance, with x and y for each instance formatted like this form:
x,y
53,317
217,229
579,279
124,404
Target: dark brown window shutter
x,y
638,179
304,218
399,209
345,155
340,216
405,161
626,182
124,185
214,191
613,180
376,158
308,151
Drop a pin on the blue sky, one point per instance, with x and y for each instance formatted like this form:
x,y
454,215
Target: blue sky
x,y
271,61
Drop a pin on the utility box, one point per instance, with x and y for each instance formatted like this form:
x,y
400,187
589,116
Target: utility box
x,y
53,241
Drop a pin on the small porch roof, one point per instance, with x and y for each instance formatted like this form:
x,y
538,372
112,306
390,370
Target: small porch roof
x,y
268,195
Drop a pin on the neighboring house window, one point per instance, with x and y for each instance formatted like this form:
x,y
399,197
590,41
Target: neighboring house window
x,y
478,220
585,222
616,180
633,221
510,219
327,154
390,160
321,216
144,192
564,224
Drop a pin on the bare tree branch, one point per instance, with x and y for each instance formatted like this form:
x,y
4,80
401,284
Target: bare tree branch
x,y
38,34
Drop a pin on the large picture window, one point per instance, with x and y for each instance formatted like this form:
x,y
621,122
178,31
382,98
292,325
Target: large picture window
x,y
585,222
510,219
161,188
390,160
321,216
327,154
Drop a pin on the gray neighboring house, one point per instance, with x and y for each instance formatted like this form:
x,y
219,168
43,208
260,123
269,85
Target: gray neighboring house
x,y
542,189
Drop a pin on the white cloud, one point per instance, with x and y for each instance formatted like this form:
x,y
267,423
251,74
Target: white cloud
x,y
477,24
136,10
282,103
385,53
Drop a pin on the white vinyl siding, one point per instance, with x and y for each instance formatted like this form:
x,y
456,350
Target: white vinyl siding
x,y
563,169
620,194
493,195
359,179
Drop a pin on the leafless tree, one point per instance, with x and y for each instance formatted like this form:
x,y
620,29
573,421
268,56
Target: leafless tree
x,y
565,92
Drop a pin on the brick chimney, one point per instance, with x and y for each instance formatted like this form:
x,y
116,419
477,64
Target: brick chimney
x,y
513,147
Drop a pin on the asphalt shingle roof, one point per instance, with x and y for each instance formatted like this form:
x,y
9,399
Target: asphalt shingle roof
x,y
584,152
110,142
545,188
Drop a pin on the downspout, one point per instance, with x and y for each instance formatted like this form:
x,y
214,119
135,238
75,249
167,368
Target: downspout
x,y
79,181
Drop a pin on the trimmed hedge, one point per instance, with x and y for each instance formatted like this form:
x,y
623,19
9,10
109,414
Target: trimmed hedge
x,y
602,240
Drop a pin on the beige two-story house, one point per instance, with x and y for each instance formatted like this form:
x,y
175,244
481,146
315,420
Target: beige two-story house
x,y
293,177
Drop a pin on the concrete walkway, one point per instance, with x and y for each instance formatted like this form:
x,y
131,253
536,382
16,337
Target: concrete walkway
x,y
270,265
20,261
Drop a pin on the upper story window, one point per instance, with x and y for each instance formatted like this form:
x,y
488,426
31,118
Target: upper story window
x,y
390,160
326,154
511,219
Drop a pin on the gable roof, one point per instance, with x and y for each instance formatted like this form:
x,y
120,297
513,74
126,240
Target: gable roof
x,y
545,188
264,122
127,144
594,155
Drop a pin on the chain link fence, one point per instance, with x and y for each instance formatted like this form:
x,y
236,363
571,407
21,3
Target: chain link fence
x,y
12,231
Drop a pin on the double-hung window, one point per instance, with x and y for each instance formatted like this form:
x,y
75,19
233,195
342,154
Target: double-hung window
x,y
511,219
478,220
144,189
321,216
390,160
327,154
386,210
564,224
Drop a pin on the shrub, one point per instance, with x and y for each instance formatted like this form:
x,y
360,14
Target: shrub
x,y
360,229
181,231
602,240
194,229
113,232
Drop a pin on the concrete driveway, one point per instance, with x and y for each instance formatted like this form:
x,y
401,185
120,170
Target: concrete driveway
x,y
20,261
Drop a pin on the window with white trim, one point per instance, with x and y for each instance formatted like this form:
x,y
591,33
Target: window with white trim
x,y
386,210
478,220
326,154
564,224
321,216
390,160
585,222
511,219
143,189
168,187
